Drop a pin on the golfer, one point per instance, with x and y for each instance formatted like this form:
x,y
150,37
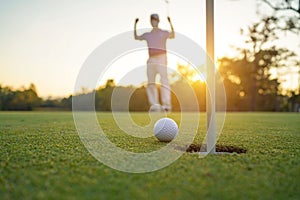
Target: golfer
x,y
157,63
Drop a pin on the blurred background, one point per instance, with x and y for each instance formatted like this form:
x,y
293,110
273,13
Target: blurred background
x,y
45,43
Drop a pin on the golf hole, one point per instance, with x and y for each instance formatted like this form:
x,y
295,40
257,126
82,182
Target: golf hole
x,y
194,148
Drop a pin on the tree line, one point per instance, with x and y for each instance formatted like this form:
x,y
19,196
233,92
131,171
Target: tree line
x,y
186,95
20,99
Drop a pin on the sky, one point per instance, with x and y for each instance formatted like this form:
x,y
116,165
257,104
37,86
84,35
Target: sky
x,y
46,42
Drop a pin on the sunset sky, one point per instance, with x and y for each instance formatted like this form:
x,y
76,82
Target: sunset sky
x,y
46,42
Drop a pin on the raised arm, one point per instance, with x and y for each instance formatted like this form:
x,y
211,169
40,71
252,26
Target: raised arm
x,y
137,37
172,35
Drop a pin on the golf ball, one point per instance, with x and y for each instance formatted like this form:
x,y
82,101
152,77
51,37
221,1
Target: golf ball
x,y
165,129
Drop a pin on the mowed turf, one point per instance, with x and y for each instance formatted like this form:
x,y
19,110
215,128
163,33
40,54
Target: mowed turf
x,y
41,156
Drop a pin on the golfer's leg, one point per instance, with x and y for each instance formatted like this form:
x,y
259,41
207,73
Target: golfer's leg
x,y
165,87
151,86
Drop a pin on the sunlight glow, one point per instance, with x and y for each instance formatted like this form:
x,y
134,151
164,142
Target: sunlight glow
x,y
46,42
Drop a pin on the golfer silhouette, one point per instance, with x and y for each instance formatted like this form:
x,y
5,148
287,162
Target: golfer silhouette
x,y
157,63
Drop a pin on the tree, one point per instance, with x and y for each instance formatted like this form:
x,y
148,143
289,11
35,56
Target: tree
x,y
103,96
21,99
187,88
110,83
287,12
250,74
138,100
25,99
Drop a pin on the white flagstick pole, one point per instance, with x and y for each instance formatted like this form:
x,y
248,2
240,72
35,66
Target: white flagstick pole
x,y
210,88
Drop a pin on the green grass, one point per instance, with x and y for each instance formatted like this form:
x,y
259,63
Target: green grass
x,y
41,156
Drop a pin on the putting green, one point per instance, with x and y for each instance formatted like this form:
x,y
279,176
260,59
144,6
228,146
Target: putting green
x,y
43,157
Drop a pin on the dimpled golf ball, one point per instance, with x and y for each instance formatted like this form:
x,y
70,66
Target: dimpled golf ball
x,y
165,129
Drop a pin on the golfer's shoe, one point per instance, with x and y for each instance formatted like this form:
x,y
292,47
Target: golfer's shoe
x,y
166,108
156,108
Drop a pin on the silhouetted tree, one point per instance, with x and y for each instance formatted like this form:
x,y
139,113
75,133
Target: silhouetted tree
x,y
251,72
139,100
287,12
22,99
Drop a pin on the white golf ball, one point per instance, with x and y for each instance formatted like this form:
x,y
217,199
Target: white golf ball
x,y
165,129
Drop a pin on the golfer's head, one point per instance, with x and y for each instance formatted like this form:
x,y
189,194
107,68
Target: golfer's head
x,y
154,18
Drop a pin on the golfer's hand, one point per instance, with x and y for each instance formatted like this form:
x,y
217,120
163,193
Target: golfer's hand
x,y
169,19
136,20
